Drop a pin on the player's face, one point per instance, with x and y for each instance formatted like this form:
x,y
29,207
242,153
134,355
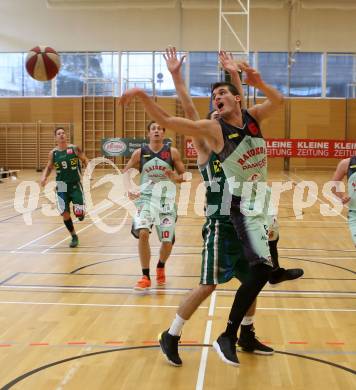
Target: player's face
x,y
156,132
61,135
224,101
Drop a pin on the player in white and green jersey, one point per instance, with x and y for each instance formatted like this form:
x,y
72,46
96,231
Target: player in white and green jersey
x,y
237,140
223,255
65,159
155,201
347,168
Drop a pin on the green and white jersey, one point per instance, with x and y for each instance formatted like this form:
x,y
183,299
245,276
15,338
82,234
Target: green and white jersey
x,y
351,183
244,155
67,164
214,180
152,167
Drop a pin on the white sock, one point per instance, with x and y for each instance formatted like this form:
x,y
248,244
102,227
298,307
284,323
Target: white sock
x,y
247,320
177,326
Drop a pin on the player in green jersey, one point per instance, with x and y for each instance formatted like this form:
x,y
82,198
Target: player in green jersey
x,y
347,167
237,140
155,201
222,255
64,158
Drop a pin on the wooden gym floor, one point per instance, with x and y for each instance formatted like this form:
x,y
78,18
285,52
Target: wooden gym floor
x,y
69,318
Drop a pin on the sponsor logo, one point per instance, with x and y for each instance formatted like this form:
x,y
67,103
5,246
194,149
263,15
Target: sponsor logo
x,y
254,177
116,146
253,128
217,166
251,153
164,155
155,167
167,221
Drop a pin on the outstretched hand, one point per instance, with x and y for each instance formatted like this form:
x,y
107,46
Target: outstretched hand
x,y
173,63
227,62
252,77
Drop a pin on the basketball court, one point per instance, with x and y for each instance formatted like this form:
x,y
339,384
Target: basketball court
x,y
70,319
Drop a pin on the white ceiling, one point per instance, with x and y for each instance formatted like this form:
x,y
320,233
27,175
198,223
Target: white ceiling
x,y
198,4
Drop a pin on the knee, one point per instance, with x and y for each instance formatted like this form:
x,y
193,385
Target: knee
x,y
143,234
207,289
66,216
167,245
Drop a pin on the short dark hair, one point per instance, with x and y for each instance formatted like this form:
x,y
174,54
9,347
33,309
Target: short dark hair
x,y
151,123
230,87
58,128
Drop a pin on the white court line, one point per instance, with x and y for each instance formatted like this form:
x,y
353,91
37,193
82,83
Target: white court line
x,y
182,291
302,257
37,239
11,201
89,304
281,221
205,350
315,196
88,226
94,253
207,331
53,231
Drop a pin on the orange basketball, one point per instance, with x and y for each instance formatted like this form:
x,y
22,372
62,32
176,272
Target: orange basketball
x,y
42,63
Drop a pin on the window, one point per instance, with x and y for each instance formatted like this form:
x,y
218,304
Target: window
x,y
137,70
164,85
71,75
274,70
306,75
203,72
11,74
340,73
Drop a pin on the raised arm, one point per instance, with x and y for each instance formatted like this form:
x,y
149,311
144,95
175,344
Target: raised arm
x,y
207,129
228,63
175,68
274,98
47,171
339,174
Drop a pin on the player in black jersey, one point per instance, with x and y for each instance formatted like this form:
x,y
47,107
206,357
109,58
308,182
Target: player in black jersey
x,y
222,256
156,163
238,141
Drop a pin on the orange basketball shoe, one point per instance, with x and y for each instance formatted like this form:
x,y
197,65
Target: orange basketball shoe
x,y
143,284
160,277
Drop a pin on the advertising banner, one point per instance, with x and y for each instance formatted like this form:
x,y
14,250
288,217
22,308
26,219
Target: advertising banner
x,y
123,146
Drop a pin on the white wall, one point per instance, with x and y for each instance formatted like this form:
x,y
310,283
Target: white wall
x,y
26,23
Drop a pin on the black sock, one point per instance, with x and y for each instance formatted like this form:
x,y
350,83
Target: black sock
x,y
160,264
245,296
274,252
146,272
69,226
